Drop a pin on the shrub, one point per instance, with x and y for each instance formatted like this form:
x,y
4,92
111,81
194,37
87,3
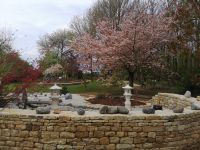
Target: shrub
x,y
64,90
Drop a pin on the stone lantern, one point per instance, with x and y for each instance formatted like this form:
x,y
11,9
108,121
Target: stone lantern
x,y
55,90
127,94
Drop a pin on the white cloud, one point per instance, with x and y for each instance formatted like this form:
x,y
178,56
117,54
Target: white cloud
x,y
30,19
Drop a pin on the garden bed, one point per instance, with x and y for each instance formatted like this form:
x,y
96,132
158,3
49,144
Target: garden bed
x,y
114,101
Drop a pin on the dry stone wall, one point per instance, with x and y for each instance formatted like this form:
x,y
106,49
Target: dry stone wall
x,y
170,101
121,132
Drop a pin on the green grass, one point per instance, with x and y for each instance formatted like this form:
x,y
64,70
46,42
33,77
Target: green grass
x,y
94,87
11,87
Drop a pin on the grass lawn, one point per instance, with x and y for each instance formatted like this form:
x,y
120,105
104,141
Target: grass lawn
x,y
94,87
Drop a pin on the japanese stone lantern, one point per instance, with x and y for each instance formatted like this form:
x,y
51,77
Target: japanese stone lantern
x,y
55,90
127,95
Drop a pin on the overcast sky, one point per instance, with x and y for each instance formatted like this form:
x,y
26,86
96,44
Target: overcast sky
x,y
30,19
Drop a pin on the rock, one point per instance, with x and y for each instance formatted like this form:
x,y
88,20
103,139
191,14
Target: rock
x,y
198,98
178,110
187,94
122,110
43,110
148,110
57,111
81,111
112,110
195,106
68,96
103,110
70,105
157,107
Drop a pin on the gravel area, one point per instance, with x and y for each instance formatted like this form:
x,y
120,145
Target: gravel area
x,y
133,112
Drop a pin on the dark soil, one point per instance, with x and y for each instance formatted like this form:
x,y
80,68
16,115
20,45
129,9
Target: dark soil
x,y
114,101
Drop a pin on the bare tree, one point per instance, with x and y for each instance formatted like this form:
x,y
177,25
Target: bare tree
x,y
58,42
113,10
6,39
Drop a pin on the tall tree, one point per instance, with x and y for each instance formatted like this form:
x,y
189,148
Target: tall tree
x,y
186,26
57,41
132,45
114,10
6,39
56,48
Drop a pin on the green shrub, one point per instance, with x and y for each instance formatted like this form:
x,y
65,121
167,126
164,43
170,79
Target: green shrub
x,y
64,90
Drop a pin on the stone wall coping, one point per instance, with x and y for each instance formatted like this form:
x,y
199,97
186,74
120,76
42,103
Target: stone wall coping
x,y
133,115
179,97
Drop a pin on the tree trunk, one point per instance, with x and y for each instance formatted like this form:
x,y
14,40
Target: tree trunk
x,y
24,98
91,68
131,78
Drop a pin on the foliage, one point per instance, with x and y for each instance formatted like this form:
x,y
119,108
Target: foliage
x,y
49,59
55,48
6,39
186,47
135,43
12,67
64,90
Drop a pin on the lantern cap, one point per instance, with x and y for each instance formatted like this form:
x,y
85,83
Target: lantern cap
x,y
55,87
127,87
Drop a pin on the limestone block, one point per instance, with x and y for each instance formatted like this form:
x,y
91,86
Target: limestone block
x,y
110,133
124,147
81,134
91,141
104,140
126,140
114,140
152,134
110,147
63,147
67,135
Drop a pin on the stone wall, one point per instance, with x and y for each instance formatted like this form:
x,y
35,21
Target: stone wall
x,y
49,132
170,101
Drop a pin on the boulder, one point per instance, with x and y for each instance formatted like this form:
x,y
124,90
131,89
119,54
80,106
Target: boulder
x,y
195,106
122,110
178,110
43,110
68,96
148,110
112,110
103,110
187,94
81,111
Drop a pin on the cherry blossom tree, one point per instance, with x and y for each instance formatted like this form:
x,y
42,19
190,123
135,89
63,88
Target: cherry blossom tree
x,y
134,44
